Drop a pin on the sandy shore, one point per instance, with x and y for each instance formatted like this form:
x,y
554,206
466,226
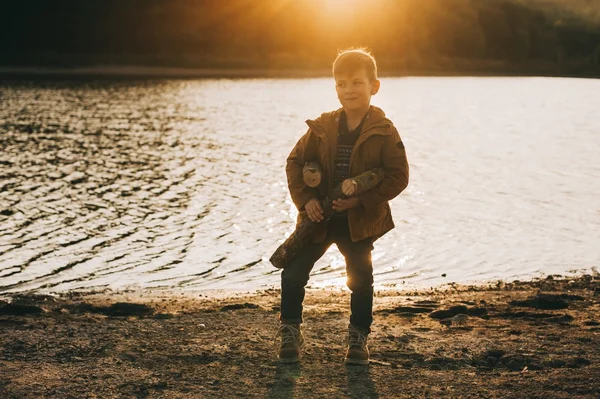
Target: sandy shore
x,y
537,339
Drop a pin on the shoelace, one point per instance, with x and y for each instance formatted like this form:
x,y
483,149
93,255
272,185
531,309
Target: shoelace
x,y
356,337
288,333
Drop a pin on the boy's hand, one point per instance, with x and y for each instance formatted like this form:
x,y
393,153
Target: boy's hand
x,y
340,204
314,210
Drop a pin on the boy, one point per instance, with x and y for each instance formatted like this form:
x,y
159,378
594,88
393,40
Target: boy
x,y
347,142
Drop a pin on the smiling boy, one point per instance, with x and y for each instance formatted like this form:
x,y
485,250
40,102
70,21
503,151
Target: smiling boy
x,y
346,142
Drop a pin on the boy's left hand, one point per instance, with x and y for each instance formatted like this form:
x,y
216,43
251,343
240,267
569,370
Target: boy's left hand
x,y
340,204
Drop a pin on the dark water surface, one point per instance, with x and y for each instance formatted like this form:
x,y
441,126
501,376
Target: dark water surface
x,y
181,184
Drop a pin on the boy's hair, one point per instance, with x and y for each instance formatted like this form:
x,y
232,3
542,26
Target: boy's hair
x,y
351,60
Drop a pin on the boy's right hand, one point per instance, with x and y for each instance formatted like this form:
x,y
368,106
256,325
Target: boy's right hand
x,y
314,210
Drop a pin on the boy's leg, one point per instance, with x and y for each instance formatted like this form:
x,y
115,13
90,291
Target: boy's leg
x,y
295,277
359,271
293,280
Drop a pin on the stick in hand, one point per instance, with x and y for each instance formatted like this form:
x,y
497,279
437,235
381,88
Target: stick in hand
x,y
305,231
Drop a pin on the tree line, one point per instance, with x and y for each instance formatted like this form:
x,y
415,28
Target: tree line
x,y
405,35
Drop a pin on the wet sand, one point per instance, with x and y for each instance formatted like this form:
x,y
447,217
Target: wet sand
x,y
512,340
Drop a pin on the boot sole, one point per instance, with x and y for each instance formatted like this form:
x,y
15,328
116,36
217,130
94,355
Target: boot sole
x,y
357,361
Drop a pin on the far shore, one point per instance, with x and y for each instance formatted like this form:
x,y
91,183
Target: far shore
x,y
156,72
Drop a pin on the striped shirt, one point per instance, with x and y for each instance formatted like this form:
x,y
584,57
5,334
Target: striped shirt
x,y
345,145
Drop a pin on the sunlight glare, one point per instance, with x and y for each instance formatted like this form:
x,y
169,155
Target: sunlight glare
x,y
343,5
340,15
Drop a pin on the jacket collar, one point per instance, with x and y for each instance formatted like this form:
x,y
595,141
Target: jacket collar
x,y
328,122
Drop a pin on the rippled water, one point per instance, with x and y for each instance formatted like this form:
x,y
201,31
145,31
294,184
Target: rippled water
x,y
181,184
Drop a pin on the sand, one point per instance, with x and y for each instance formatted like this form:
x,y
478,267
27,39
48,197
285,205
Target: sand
x,y
535,339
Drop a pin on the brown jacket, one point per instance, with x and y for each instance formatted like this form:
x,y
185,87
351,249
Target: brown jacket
x,y
378,146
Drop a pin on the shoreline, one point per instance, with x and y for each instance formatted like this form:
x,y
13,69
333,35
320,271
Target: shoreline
x,y
239,291
537,338
150,72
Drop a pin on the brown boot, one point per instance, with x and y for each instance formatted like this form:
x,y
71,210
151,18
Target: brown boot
x,y
358,352
292,341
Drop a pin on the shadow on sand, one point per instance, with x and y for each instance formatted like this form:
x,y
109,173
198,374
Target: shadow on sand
x,y
285,381
360,384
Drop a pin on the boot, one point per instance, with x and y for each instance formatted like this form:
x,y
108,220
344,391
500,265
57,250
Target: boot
x,y
358,352
291,343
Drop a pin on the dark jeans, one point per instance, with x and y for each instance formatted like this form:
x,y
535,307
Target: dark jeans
x,y
359,270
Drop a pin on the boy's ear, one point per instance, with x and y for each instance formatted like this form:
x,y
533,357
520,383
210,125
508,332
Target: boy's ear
x,y
375,87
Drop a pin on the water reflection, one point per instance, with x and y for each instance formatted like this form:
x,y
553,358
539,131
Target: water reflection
x,y
165,184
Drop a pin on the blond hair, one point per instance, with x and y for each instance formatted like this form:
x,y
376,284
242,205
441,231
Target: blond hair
x,y
351,60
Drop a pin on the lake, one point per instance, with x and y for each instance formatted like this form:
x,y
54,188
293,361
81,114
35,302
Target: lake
x,y
180,184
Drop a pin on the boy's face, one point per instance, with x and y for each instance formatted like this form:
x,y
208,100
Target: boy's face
x,y
354,90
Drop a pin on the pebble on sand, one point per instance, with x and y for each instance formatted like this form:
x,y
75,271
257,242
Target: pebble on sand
x,y
76,177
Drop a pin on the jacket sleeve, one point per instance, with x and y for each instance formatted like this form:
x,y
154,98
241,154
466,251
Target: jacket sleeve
x,y
303,151
395,165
